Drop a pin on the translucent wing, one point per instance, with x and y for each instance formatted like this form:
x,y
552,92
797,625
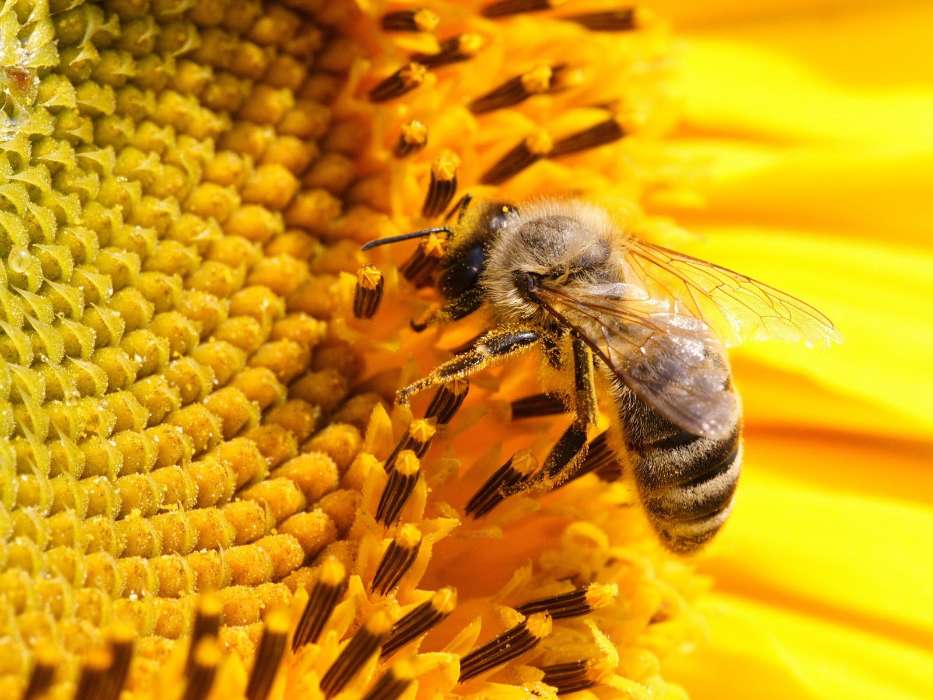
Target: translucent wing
x,y
671,361
735,306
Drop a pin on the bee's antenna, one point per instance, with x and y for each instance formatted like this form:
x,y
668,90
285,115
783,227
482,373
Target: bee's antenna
x,y
406,236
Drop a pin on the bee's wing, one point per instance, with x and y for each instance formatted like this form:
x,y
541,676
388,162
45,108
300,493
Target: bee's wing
x,y
671,361
735,306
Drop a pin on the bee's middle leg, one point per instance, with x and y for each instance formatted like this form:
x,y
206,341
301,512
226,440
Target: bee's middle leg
x,y
495,345
570,448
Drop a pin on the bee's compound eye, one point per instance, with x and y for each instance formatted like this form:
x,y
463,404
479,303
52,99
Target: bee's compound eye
x,y
463,271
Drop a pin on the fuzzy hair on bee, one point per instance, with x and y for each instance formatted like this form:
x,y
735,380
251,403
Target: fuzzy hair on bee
x,y
636,329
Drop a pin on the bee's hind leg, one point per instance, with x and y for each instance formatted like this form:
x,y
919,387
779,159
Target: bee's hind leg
x,y
495,345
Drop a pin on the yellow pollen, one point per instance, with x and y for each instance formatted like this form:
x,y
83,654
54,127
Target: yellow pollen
x,y
470,44
601,595
537,80
444,167
408,536
425,20
445,600
539,625
539,143
407,463
413,74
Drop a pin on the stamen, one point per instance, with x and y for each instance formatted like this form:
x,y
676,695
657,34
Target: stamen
x,y
43,672
121,653
447,401
206,624
504,481
368,294
207,658
397,559
504,8
417,439
518,89
399,487
507,646
597,135
93,674
443,185
402,81
577,602
420,620
392,683
419,268
538,405
413,137
354,656
572,676
327,592
416,20
268,655
451,50
623,20
599,459
528,152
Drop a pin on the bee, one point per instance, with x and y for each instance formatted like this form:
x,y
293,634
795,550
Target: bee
x,y
642,326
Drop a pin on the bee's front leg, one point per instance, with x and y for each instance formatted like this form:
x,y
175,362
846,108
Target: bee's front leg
x,y
495,345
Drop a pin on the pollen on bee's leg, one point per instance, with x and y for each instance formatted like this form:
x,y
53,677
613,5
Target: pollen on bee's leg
x,y
447,401
399,487
573,676
507,646
392,683
414,20
504,481
443,185
580,601
206,659
504,8
206,624
268,655
535,147
324,596
417,438
420,620
597,135
411,139
355,654
43,672
369,285
623,20
398,558
454,49
419,268
518,89
402,81
537,405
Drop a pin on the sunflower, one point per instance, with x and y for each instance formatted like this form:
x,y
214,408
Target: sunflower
x,y
206,489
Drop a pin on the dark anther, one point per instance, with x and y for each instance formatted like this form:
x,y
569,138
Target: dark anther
x,y
568,677
537,405
392,684
323,598
368,292
600,459
611,21
420,620
206,624
354,656
404,80
417,439
506,480
416,20
268,655
447,401
451,50
419,269
443,185
399,487
411,139
507,646
398,558
205,660
515,90
528,152
504,8
579,601
597,135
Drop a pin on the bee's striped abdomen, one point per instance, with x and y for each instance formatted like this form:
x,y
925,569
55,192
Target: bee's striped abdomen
x,y
686,483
